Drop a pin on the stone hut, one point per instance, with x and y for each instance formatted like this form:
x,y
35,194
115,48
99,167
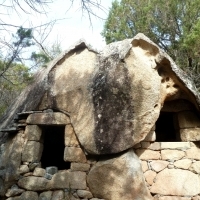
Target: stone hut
x,y
123,123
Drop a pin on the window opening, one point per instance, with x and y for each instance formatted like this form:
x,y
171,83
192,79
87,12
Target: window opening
x,y
165,130
53,151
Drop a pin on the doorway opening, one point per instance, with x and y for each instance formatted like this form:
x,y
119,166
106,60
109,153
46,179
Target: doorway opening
x,y
165,130
53,151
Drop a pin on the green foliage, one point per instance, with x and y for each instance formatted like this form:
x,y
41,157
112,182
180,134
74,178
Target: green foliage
x,y
174,25
45,55
24,37
12,82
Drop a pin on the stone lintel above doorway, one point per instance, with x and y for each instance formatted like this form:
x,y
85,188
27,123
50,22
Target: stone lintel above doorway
x,y
51,118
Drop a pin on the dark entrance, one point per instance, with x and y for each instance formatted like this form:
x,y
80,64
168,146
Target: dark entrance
x,y
53,152
165,130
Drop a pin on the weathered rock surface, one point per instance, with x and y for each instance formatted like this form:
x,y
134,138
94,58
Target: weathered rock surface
x,y
146,154
172,154
66,179
32,151
118,178
183,164
150,176
29,195
113,99
195,167
176,182
74,154
50,118
33,132
190,134
58,195
158,165
80,167
33,183
45,195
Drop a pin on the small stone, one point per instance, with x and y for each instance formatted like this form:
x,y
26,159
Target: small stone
x,y
70,137
195,167
74,154
144,166
14,192
23,169
84,194
33,183
39,172
183,164
193,153
51,170
175,145
29,195
32,151
80,167
33,132
172,154
152,146
48,176
45,195
146,154
150,176
33,165
28,174
170,166
58,195
158,165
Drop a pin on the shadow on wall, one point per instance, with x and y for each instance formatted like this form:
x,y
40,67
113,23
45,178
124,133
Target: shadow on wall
x,y
113,106
11,160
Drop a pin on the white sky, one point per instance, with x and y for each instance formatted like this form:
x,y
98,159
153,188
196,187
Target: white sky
x,y
75,24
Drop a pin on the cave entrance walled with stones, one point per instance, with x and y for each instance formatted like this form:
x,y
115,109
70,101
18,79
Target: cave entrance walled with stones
x,y
53,147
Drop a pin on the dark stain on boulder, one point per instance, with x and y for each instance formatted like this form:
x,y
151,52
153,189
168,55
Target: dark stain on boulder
x,y
113,105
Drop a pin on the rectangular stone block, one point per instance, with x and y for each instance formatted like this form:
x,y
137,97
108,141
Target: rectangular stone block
x,y
190,134
66,179
32,151
146,154
188,119
172,154
152,146
33,132
39,172
50,118
193,153
74,154
70,137
175,145
80,167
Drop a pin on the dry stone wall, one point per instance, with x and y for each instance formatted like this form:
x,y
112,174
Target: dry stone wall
x,y
171,169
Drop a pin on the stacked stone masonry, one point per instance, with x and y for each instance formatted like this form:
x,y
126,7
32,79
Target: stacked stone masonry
x,y
171,169
37,183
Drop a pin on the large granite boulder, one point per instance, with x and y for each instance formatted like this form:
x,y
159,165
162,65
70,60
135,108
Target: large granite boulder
x,y
118,178
113,97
